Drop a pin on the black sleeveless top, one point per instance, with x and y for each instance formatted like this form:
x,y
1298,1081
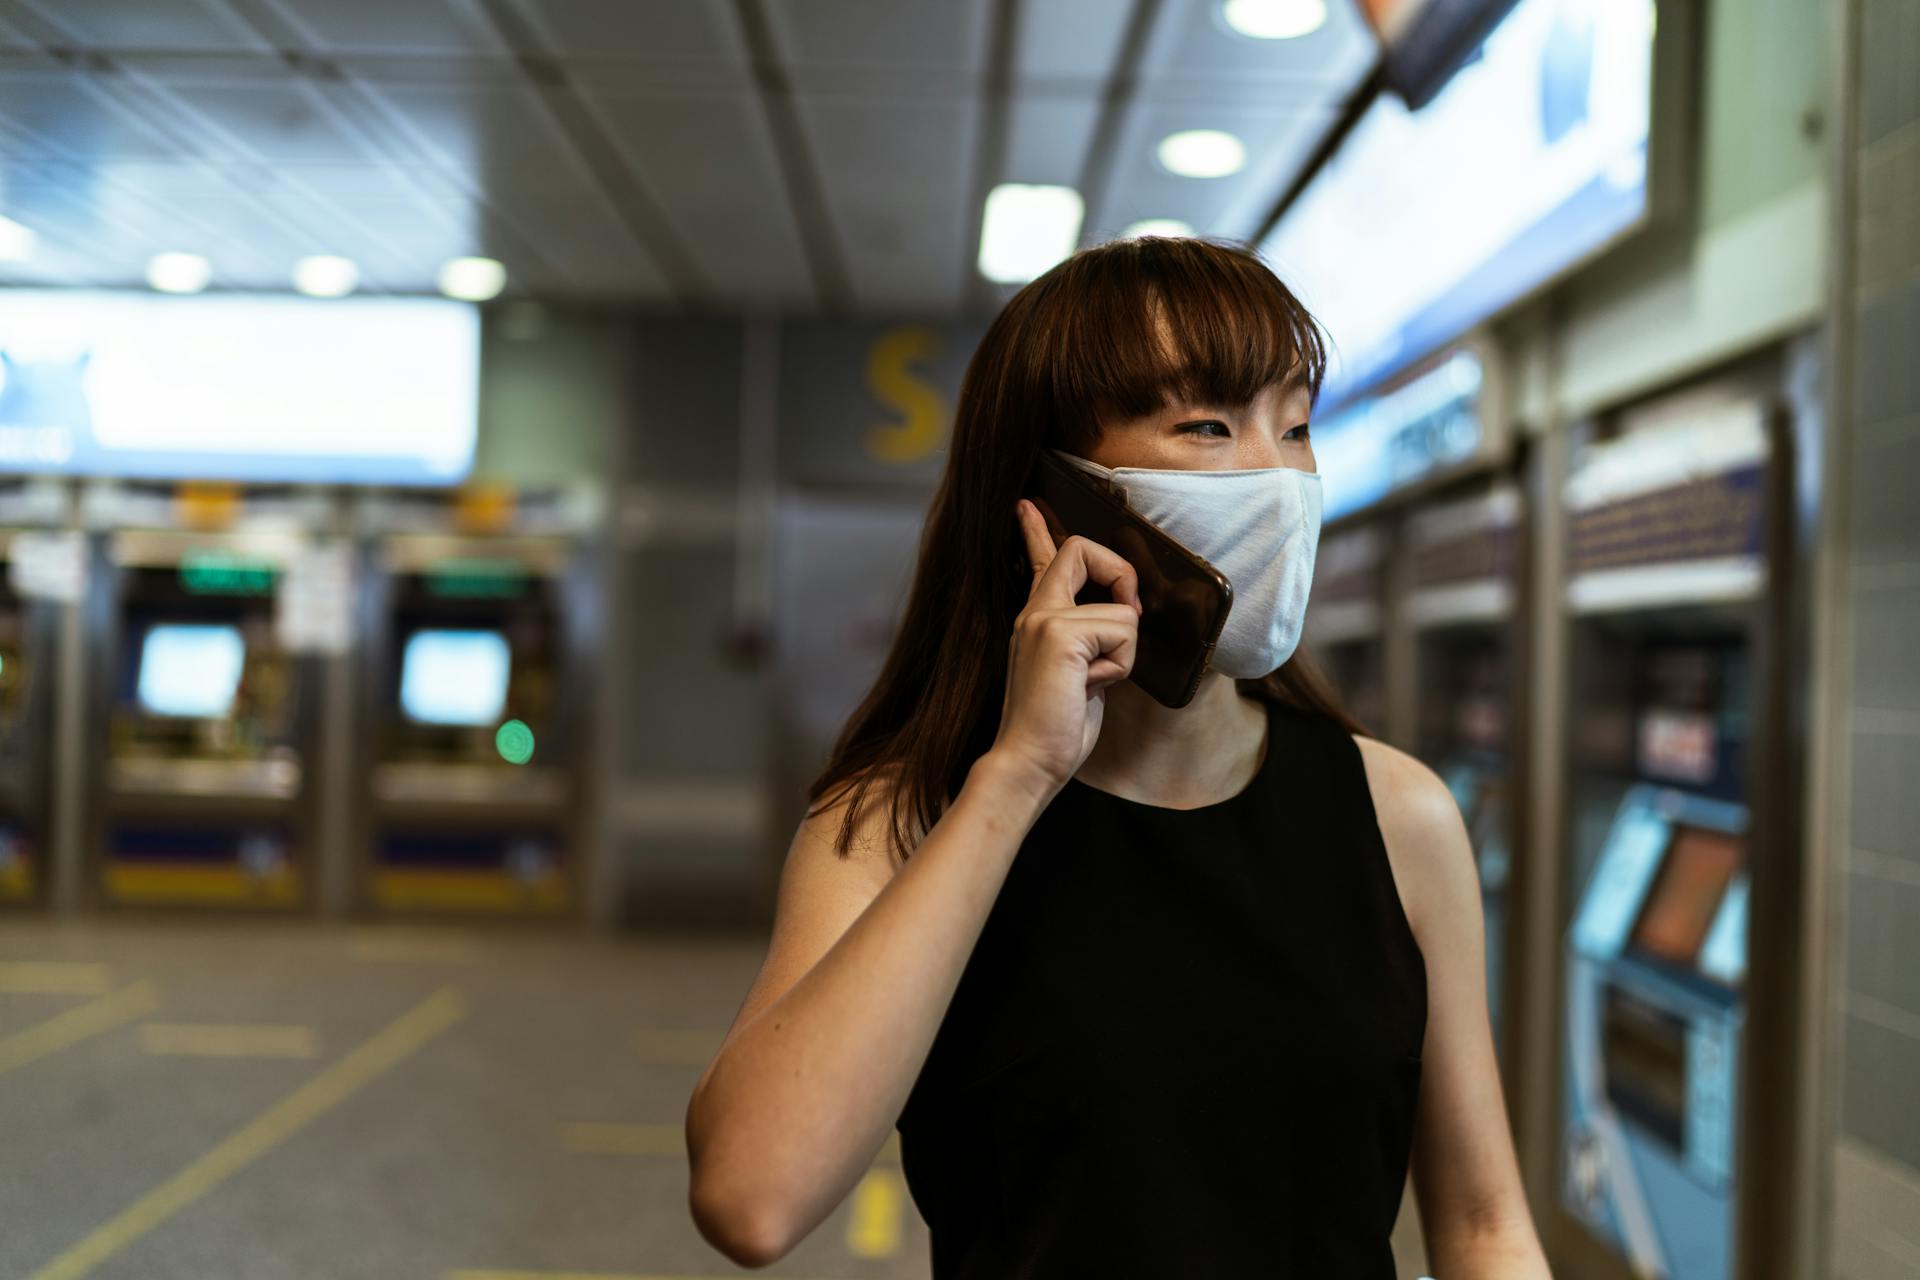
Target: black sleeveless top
x,y
1186,1042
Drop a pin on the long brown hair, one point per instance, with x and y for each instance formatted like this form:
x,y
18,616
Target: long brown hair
x,y
1105,335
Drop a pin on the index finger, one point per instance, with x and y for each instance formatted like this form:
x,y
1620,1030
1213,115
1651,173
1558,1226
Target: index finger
x,y
1033,526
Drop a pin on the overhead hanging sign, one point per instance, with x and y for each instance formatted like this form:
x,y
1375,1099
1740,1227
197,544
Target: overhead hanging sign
x,y
238,386
1423,224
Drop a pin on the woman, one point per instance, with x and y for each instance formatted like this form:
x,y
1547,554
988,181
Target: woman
x,y
1148,992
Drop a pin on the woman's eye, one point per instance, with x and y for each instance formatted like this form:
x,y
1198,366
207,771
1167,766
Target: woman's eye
x,y
1215,429
1299,433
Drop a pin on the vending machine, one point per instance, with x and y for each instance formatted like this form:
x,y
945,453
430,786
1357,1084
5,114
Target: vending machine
x,y
478,689
202,710
1463,567
1676,544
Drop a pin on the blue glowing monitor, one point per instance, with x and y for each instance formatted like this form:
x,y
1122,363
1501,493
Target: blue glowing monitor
x,y
190,669
454,677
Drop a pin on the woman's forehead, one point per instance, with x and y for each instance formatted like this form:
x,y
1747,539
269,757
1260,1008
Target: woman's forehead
x,y
1280,396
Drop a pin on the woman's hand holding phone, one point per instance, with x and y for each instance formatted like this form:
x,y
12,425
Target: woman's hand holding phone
x,y
1062,656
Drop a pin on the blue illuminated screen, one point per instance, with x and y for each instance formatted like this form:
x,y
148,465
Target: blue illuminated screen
x,y
1422,224
190,669
454,677
238,386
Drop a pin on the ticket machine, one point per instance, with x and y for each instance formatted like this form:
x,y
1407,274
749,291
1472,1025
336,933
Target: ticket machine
x,y
203,714
477,687
1673,536
1345,620
1462,557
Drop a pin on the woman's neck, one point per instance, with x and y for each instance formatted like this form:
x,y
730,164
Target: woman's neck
x,y
1179,758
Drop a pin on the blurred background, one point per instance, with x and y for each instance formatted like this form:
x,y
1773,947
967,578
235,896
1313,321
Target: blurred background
x,y
460,461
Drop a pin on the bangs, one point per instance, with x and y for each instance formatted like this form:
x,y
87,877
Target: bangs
x,y
1143,322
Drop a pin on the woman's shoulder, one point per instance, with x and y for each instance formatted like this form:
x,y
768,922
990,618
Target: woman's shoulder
x,y
1406,792
1421,826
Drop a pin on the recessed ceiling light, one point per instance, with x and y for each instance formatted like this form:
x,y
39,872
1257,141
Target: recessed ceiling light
x,y
325,275
1274,19
16,241
178,272
472,279
1202,153
1157,227
1027,228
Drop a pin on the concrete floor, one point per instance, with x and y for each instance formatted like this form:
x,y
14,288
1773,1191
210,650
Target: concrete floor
x,y
265,1100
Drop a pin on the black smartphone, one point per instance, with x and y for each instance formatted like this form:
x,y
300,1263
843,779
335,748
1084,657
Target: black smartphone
x,y
1183,599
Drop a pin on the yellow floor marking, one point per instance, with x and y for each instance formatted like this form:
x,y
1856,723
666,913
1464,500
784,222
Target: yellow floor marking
x,y
55,978
873,1229
626,1139
239,1040
387,1049
93,1018
686,1048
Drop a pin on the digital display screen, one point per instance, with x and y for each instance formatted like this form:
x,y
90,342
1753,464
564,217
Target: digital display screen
x,y
1424,223
1686,894
238,386
455,677
1426,39
190,669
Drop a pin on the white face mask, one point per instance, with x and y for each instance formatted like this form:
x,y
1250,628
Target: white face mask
x,y
1260,528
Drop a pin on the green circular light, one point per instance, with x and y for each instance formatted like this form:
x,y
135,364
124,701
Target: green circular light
x,y
514,741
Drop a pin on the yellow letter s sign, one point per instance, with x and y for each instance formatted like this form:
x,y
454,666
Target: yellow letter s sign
x,y
923,408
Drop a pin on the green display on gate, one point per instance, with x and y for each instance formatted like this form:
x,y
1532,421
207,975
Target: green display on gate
x,y
225,573
477,578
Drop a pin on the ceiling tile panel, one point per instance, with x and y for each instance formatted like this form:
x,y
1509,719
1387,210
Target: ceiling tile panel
x,y
714,172
1070,39
60,117
112,25
926,34
896,176
697,32
396,26
278,124
1048,136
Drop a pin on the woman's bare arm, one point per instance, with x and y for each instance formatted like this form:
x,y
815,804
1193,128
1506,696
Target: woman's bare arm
x,y
864,960
1472,1204
861,967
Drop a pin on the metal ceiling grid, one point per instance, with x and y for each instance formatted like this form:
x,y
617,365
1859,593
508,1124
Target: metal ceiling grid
x,y
713,154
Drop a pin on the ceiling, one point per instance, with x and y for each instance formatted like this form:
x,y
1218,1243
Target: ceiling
x,y
808,155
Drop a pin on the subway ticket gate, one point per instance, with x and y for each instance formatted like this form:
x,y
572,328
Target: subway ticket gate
x,y
1674,541
1344,625
203,712
28,633
475,786
1461,570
